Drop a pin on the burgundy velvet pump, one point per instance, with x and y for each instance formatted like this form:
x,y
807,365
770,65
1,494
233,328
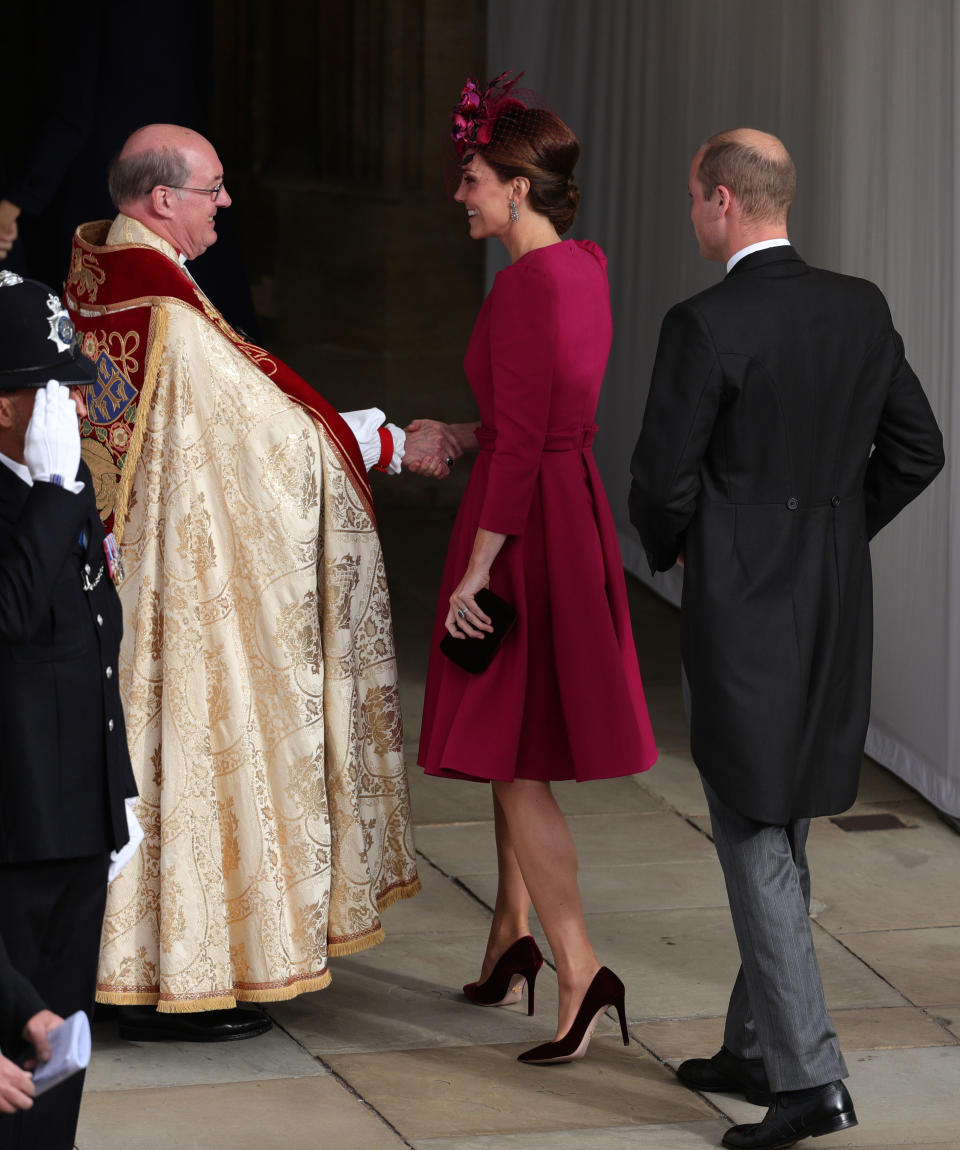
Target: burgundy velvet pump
x,y
605,990
517,965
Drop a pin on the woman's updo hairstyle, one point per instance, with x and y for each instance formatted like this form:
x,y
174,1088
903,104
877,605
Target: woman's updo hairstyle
x,y
536,143
512,130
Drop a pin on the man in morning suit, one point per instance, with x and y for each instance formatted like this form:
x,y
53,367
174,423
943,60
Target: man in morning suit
x,y
783,429
64,767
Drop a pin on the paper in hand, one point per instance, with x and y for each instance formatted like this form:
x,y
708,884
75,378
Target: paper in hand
x,y
69,1052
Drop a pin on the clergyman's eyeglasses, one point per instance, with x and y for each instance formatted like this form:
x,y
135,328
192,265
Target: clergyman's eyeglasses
x,y
211,192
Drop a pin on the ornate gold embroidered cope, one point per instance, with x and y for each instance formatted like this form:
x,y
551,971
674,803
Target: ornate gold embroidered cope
x,y
260,690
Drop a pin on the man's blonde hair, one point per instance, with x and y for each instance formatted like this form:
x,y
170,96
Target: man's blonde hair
x,y
763,179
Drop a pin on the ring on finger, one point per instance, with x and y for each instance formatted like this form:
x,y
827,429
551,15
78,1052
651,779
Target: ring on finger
x,y
449,461
461,613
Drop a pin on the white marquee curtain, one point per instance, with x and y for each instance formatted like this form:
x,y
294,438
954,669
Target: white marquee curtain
x,y
866,96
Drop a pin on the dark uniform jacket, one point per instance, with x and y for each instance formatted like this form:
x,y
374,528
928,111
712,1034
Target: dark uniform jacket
x,y
64,766
783,429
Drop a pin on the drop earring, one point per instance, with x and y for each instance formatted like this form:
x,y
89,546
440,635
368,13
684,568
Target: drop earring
x,y
514,213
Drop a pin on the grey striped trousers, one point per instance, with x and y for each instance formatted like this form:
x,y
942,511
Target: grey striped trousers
x,y
777,1010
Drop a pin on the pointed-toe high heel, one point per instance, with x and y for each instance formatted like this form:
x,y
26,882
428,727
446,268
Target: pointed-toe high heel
x,y
606,990
518,964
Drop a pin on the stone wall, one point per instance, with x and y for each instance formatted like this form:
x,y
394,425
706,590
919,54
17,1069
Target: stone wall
x,y
331,119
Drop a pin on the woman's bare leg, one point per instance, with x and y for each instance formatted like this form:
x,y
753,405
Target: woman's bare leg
x,y
543,847
511,914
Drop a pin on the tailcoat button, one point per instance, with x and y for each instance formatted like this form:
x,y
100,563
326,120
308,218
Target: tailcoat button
x,y
109,672
110,725
835,501
793,503
99,620
86,568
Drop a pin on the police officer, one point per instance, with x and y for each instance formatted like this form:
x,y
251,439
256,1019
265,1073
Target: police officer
x,y
64,768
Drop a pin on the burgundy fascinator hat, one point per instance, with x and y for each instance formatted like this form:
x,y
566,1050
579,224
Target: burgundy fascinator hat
x,y
473,120
517,133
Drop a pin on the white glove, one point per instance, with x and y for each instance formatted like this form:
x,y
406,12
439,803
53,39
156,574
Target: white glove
x,y
51,448
120,858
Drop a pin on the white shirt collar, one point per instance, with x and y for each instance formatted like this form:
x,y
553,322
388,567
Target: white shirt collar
x,y
19,469
780,242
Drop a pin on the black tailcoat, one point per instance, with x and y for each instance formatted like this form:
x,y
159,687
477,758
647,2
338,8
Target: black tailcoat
x,y
64,766
783,429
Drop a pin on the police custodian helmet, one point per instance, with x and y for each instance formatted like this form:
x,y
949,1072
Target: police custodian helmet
x,y
37,339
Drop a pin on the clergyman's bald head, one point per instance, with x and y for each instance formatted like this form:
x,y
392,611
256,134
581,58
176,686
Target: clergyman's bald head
x,y
154,154
158,136
170,179
755,166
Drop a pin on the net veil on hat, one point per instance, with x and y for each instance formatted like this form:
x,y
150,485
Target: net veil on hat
x,y
491,115
515,131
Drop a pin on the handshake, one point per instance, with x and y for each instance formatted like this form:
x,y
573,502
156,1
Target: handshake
x,y
433,447
51,448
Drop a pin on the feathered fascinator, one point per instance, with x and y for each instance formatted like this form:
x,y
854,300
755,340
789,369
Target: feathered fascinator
x,y
472,120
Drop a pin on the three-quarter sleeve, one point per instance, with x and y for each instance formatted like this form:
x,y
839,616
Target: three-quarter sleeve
x,y
523,329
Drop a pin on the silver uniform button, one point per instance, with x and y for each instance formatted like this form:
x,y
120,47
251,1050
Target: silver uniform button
x,y
99,620
109,672
86,568
110,725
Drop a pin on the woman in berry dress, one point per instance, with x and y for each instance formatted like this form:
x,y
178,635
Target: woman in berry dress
x,y
562,698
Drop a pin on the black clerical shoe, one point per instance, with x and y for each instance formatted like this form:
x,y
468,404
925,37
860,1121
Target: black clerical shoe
x,y
726,1073
796,1115
147,1024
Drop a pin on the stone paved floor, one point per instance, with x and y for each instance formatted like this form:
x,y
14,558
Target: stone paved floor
x,y
392,1056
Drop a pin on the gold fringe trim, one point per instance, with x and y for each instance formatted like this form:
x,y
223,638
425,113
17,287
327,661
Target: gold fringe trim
x,y
216,1001
127,998
348,946
355,945
156,334
342,949
284,993
193,1005
399,893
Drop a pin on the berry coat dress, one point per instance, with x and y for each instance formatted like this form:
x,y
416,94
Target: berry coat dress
x,y
562,698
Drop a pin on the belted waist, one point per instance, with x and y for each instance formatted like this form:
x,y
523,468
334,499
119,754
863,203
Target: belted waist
x,y
576,439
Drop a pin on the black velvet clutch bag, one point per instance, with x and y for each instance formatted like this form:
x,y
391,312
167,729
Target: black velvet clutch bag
x,y
476,655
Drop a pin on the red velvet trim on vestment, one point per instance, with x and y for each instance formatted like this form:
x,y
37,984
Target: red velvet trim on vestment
x,y
111,293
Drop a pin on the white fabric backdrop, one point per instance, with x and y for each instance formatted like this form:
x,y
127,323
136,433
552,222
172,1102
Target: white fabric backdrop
x,y
864,94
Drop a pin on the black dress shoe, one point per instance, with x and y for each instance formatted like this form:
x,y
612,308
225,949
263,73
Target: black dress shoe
x,y
146,1024
726,1073
796,1115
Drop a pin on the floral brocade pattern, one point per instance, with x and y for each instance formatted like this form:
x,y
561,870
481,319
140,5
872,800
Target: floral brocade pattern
x,y
266,737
